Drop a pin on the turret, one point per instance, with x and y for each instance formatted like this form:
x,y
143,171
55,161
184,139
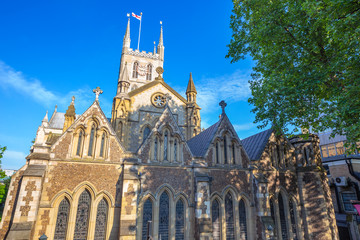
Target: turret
x,y
69,115
126,42
160,47
191,90
123,82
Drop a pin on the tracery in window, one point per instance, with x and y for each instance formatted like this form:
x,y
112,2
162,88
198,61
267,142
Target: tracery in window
x,y
101,219
149,71
229,217
242,220
164,216
146,133
102,145
91,141
215,219
292,218
82,216
147,218
225,151
62,220
79,144
179,220
135,70
166,146
284,233
155,148
175,150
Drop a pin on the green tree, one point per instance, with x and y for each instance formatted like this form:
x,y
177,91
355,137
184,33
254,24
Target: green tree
x,y
307,62
3,186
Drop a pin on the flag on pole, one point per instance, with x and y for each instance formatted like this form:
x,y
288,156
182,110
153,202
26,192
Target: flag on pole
x,y
136,16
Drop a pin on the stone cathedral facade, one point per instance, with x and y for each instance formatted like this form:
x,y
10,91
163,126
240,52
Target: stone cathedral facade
x,y
151,172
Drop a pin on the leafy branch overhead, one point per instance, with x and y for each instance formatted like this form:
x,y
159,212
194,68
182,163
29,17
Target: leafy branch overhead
x,y
307,71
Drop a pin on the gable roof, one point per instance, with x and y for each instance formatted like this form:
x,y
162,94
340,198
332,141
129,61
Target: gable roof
x,y
200,143
255,144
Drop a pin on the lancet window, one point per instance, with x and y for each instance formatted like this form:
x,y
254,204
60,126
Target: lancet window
x,y
147,218
149,71
82,216
180,220
272,212
62,220
284,233
79,143
175,150
225,151
215,219
217,153
233,152
91,141
229,217
102,145
101,219
166,146
242,220
135,70
292,218
156,149
164,216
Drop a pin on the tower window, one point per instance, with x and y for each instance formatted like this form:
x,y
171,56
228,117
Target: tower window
x,y
135,70
149,71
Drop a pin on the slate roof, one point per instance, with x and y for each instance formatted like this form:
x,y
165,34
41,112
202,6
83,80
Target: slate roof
x,y
200,143
58,119
255,144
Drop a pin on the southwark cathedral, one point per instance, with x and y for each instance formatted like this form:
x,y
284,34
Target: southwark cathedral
x,y
149,171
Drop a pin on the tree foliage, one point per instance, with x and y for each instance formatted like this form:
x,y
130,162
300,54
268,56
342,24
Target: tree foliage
x,y
5,185
307,62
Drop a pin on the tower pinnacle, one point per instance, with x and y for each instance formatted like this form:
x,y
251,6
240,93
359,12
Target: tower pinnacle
x,y
191,90
126,42
161,47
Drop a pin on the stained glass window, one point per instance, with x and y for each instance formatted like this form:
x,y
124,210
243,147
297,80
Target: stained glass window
x,y
225,151
79,143
135,70
82,216
179,220
229,217
284,233
242,220
148,73
155,148
217,152
91,142
272,212
164,216
175,150
102,145
147,217
165,146
101,219
215,219
146,133
292,217
62,220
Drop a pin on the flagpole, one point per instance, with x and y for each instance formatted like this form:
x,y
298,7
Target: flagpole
x,y
139,31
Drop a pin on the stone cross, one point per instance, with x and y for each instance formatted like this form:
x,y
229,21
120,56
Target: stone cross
x,y
97,92
223,104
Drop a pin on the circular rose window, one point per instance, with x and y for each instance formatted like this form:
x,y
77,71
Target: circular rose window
x,y
158,100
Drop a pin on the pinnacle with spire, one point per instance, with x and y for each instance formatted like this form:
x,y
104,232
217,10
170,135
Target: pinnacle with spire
x,y
126,42
123,81
191,90
160,47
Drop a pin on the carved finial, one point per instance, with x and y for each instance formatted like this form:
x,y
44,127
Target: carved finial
x,y
160,71
72,100
222,104
97,92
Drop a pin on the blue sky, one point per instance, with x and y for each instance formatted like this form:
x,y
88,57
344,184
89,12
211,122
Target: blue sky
x,y
51,50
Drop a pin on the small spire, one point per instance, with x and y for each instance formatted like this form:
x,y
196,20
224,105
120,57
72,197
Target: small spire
x,y
161,43
72,100
126,42
45,121
97,92
191,85
222,104
55,108
154,48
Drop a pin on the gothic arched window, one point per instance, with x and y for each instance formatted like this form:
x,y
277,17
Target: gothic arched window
x,y
62,220
79,144
164,216
155,148
175,150
166,146
135,70
272,212
215,219
292,218
147,217
146,133
180,220
91,141
217,152
149,71
82,216
229,217
102,145
225,151
233,152
284,233
101,219
242,220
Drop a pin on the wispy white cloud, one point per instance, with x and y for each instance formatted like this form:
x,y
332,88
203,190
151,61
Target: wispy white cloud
x,y
245,126
34,89
13,159
231,88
